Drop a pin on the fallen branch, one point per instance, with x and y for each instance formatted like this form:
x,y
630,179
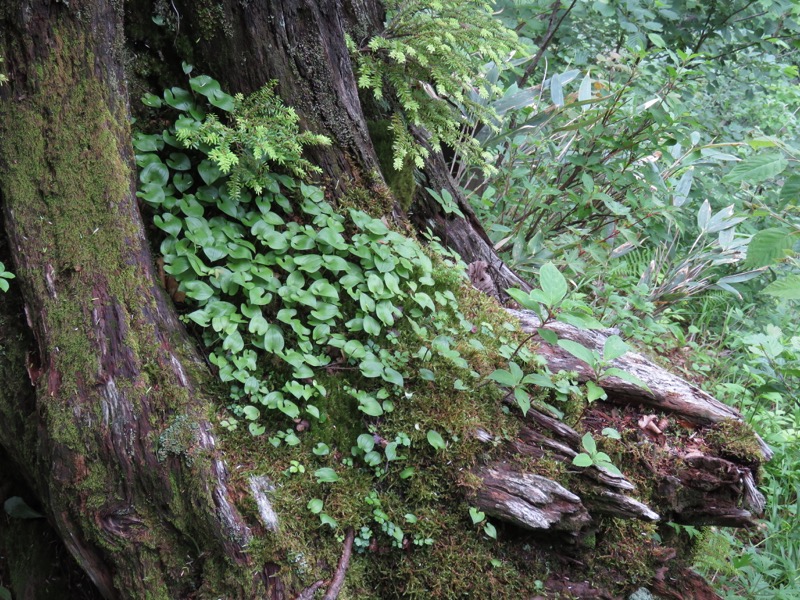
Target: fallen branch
x,y
338,578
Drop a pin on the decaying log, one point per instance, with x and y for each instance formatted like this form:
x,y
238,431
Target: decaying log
x,y
528,500
668,392
708,490
689,485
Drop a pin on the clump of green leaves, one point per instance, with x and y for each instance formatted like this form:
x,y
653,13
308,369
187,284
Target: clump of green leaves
x,y
4,277
429,57
284,285
591,456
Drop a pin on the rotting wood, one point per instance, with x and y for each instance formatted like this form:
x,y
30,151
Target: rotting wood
x,y
668,392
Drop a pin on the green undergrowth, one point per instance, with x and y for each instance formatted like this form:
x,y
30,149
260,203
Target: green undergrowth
x,y
354,358
358,364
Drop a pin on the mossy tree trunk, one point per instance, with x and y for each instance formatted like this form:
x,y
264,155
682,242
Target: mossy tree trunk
x,y
112,380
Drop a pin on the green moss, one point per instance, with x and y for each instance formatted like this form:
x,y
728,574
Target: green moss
x,y
402,182
732,438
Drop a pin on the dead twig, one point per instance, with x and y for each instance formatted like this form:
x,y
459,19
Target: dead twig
x,y
338,578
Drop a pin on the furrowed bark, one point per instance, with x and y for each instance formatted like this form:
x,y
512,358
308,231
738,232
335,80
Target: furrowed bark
x,y
116,381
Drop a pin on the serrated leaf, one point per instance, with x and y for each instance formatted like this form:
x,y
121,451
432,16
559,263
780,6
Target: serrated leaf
x,y
791,189
787,287
757,168
768,246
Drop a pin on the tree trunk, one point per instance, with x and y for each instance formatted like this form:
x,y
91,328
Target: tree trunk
x,y
106,404
113,373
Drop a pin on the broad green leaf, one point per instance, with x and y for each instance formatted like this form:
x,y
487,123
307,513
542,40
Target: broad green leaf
x,y
787,287
476,515
182,181
321,449
273,339
385,312
704,215
209,172
556,91
625,376
757,168
523,400
612,433
370,406
682,189
205,85
791,189
315,505
17,508
178,161
503,377
326,475
393,376
585,91
582,460
222,100
251,412
197,290
768,246
151,100
435,439
371,367
490,531
153,194
424,301
328,520
366,442
579,351
594,392
588,443
548,336
553,284
156,173
613,348
179,98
